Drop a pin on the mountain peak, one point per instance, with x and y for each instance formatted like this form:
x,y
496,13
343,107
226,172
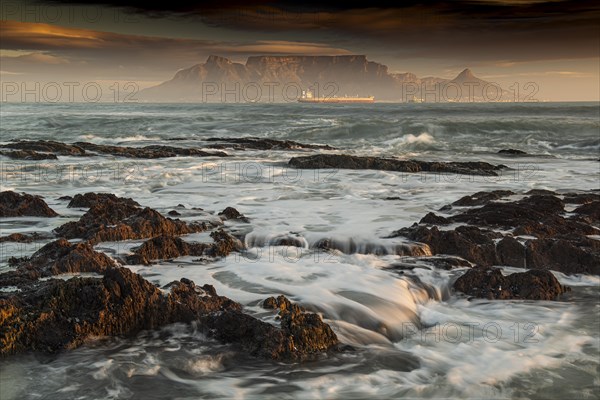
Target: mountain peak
x,y
466,74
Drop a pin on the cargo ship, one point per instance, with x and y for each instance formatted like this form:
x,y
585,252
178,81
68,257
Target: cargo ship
x,y
308,97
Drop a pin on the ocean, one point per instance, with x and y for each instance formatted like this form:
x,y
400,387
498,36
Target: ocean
x,y
413,337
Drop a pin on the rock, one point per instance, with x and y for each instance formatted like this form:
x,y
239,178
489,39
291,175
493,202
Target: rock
x,y
165,247
590,211
28,155
57,257
579,255
174,213
231,213
150,152
115,221
490,283
17,205
343,161
46,146
471,243
224,243
256,143
90,199
24,238
513,152
481,198
57,315
511,252
560,241
300,336
433,219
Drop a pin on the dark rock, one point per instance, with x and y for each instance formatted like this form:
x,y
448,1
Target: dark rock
x,y
590,211
154,151
489,283
540,192
469,242
56,315
90,199
28,155
165,247
46,146
65,198
300,336
560,243
231,213
174,213
17,205
61,256
579,255
432,219
343,161
224,243
513,152
115,221
24,238
481,198
581,198
256,143
511,252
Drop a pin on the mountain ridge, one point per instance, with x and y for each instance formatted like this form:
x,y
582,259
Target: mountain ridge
x,y
284,78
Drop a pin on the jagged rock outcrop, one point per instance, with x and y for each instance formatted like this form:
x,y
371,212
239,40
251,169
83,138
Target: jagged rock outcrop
x,y
90,199
122,220
46,146
490,283
18,205
230,213
256,143
343,161
28,155
300,335
55,314
491,230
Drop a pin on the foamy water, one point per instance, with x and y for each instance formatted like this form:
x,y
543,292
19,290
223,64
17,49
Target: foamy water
x,y
412,336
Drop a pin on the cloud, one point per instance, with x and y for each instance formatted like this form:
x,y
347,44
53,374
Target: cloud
x,y
39,47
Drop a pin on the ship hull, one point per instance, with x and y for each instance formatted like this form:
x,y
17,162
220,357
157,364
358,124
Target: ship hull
x,y
337,100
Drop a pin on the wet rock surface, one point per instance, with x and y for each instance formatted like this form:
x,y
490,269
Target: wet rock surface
x,y
512,152
55,314
490,283
256,143
301,334
155,151
90,199
51,149
28,155
46,146
168,247
534,232
25,237
123,220
231,213
342,161
22,204
57,257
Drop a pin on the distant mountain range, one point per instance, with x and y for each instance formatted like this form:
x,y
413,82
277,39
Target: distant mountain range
x,y
284,78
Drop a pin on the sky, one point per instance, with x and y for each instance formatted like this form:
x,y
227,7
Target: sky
x,y
554,44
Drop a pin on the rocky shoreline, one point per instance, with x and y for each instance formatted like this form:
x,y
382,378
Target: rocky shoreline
x,y
45,312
